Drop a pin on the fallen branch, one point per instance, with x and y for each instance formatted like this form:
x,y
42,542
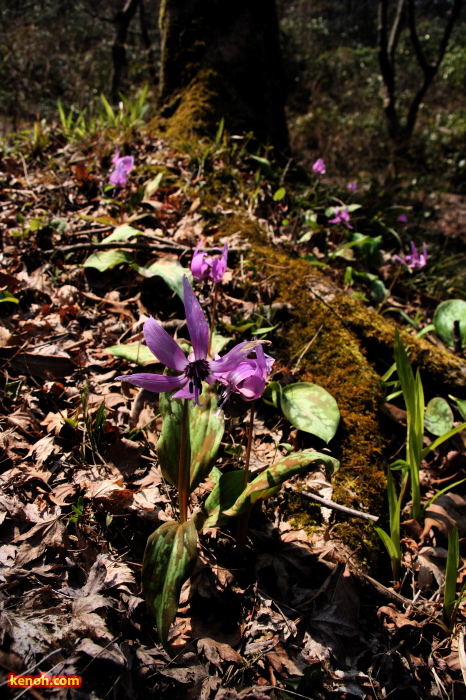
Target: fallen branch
x,y
337,506
120,245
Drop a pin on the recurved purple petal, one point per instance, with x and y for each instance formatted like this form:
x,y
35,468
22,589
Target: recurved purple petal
x,y
232,359
196,321
155,382
162,345
219,265
199,264
127,163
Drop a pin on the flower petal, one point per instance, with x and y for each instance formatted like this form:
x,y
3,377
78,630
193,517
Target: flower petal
x,y
219,265
196,321
162,345
232,359
155,382
127,163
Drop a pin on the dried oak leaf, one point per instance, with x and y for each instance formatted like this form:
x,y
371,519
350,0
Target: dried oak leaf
x,y
49,534
123,456
27,637
216,652
43,448
110,652
111,492
448,510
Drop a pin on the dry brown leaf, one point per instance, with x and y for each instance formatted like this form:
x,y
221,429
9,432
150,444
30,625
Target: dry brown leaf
x,y
62,492
50,534
29,637
54,422
216,652
447,511
25,422
123,456
110,491
110,652
393,620
52,366
43,448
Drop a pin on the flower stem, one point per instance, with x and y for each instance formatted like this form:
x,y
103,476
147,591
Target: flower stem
x,y
184,468
212,321
243,520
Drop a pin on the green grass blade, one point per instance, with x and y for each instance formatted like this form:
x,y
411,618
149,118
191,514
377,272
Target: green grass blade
x,y
441,439
451,574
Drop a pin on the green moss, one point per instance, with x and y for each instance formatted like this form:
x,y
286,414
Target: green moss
x,y
335,361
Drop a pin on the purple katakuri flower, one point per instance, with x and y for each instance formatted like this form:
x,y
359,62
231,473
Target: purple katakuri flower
x,y
341,217
402,218
248,379
352,186
416,260
205,267
195,368
319,167
122,166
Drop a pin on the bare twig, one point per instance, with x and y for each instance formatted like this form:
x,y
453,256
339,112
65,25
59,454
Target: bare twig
x,y
336,506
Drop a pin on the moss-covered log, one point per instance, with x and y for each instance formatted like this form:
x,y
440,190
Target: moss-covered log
x,y
341,342
222,60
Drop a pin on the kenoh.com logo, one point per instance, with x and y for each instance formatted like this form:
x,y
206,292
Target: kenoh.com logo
x,y
44,681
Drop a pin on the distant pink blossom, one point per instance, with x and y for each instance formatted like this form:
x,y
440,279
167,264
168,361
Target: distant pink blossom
x,y
416,260
121,168
403,219
341,216
352,186
319,167
204,266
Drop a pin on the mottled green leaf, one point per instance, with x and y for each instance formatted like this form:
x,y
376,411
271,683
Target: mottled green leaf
x,y
311,408
205,433
438,417
450,321
122,233
277,474
140,354
222,497
105,259
170,271
169,560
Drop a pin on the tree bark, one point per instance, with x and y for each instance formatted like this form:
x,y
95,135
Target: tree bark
x,y
222,60
120,62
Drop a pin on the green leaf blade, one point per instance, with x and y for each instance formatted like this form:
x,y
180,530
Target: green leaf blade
x,y
169,560
276,475
205,434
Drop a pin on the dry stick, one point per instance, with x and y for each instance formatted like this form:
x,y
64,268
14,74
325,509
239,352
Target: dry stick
x,y
111,245
243,520
184,466
161,247
212,321
337,506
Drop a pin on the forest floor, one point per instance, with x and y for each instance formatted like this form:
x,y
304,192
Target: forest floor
x,y
301,615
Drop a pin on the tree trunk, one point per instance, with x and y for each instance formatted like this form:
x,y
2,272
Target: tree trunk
x,y
120,62
222,60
